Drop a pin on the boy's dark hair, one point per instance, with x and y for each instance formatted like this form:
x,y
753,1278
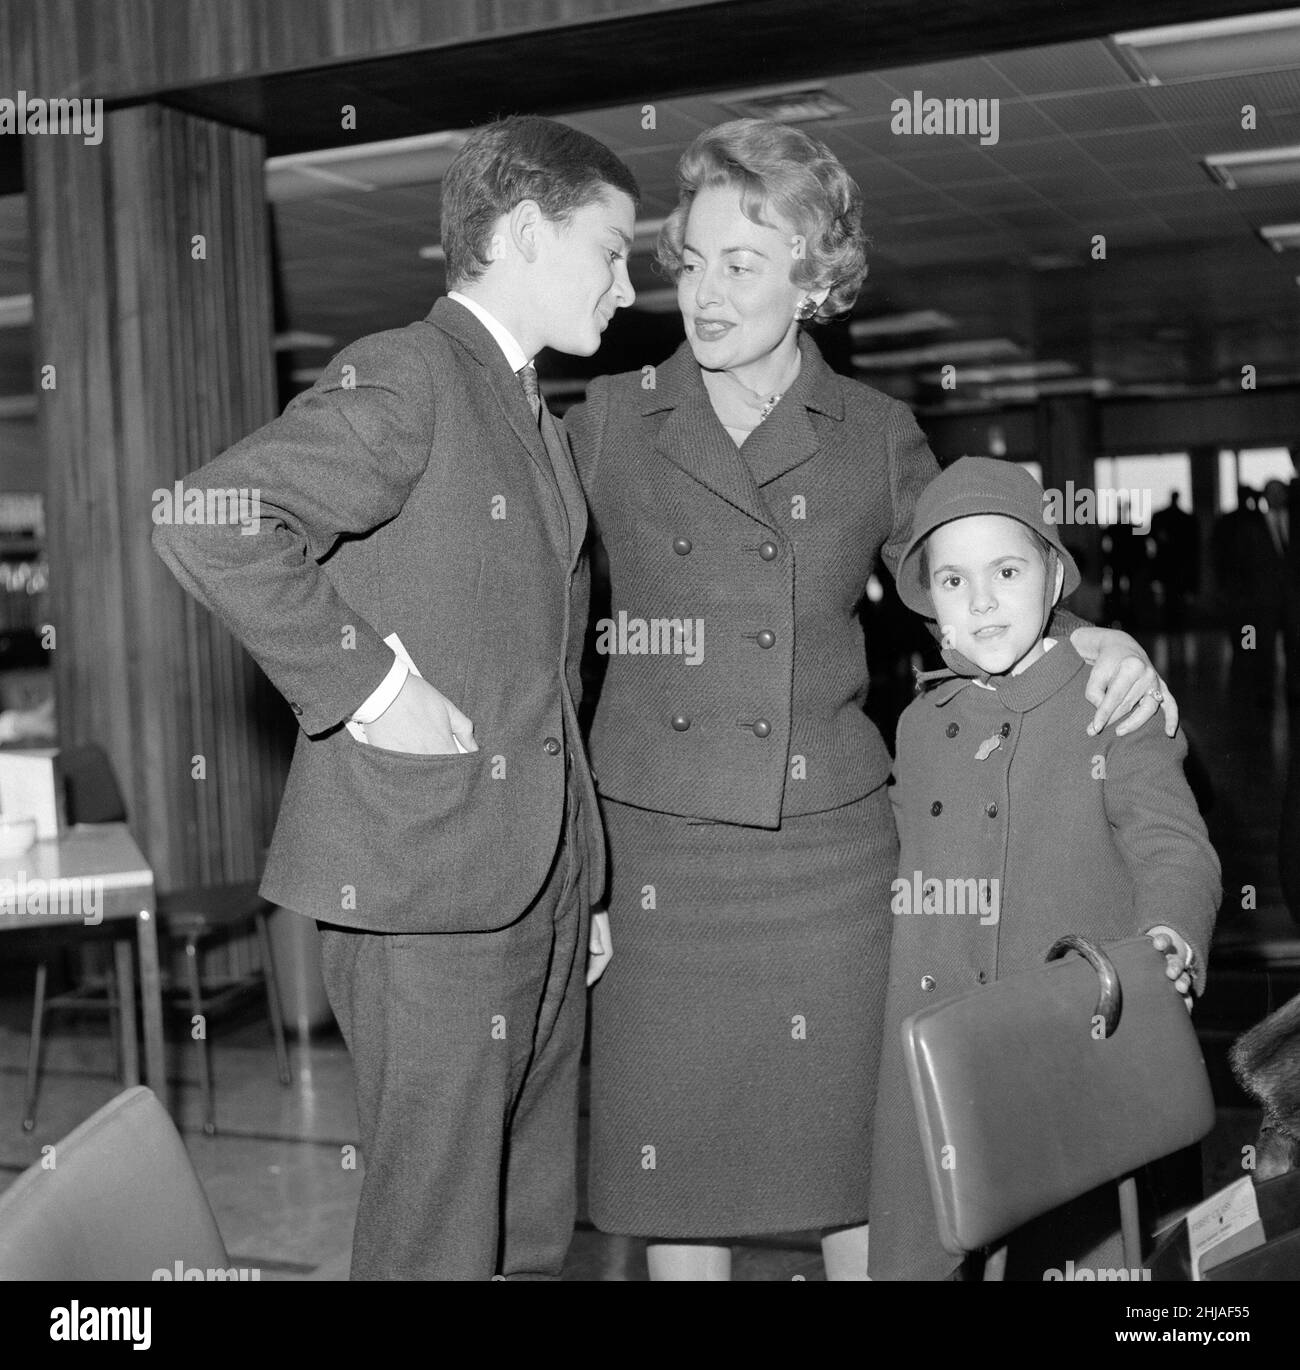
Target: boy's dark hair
x,y
1045,551
524,157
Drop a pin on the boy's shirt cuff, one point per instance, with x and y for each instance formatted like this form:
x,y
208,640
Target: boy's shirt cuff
x,y
380,698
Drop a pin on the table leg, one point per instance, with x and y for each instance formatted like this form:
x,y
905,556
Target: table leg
x,y
125,968
151,1004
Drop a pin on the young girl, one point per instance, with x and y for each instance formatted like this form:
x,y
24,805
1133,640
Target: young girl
x,y
1016,827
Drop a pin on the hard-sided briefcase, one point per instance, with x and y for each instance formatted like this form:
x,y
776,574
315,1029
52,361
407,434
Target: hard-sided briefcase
x,y
1046,1084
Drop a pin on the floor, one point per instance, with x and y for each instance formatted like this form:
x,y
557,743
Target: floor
x,y
275,1172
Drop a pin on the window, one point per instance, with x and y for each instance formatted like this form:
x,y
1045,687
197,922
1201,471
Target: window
x,y
1144,482
1251,466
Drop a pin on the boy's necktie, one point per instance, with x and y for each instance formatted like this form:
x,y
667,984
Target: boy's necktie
x,y
532,390
561,463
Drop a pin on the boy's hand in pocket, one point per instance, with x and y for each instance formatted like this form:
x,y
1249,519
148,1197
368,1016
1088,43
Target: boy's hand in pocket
x,y
422,720
1178,959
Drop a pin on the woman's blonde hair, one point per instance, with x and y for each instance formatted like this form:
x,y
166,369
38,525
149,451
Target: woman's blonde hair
x,y
782,171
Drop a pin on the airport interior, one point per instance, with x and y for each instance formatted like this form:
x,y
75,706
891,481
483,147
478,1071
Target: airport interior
x,y
1097,280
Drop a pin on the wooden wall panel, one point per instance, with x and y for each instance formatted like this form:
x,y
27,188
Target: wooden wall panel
x,y
161,362
127,48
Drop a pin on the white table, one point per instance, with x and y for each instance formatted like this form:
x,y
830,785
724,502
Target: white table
x,y
96,867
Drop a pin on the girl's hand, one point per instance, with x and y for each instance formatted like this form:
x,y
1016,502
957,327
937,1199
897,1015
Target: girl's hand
x,y
1178,959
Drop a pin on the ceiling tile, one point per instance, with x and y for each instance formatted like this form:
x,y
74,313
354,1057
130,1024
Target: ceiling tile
x,y
1063,67
971,78
1099,111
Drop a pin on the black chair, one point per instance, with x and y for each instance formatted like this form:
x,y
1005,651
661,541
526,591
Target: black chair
x,y
197,918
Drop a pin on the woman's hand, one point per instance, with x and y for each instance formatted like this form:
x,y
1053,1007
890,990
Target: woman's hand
x,y
1123,683
599,947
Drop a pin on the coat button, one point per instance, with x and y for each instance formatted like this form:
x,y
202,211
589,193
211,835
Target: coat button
x,y
551,746
682,546
767,638
297,708
1005,730
992,811
768,551
952,729
936,809
928,982
681,722
762,727
983,977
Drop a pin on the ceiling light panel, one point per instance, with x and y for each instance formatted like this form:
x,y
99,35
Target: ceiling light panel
x,y
1217,48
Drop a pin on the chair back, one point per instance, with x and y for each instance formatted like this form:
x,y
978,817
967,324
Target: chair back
x,y
1025,1101
90,788
117,1199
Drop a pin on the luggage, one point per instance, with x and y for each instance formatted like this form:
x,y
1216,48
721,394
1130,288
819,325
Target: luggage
x,y
1043,1085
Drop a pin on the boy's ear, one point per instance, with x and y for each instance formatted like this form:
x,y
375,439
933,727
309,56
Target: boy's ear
x,y
1060,579
522,225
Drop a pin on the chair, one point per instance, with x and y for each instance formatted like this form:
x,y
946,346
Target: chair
x,y
120,1202
199,917
1023,1105
196,918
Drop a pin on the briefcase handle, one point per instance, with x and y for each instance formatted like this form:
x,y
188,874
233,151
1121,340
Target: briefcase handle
x,y
1110,997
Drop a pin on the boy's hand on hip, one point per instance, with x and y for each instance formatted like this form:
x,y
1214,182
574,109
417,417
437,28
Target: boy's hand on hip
x,y
1178,959
423,721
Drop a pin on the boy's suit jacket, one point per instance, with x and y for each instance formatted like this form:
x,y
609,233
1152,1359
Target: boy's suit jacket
x,y
410,490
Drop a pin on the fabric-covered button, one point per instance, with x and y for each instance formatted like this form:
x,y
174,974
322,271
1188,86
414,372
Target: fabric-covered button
x,y
766,638
682,546
762,727
681,722
768,551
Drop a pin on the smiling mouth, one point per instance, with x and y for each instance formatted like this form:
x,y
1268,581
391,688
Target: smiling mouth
x,y
991,631
710,330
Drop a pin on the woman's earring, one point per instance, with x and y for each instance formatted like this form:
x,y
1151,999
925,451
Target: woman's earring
x,y
806,310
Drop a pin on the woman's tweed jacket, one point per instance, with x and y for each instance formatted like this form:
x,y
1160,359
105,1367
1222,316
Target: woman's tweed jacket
x,y
771,551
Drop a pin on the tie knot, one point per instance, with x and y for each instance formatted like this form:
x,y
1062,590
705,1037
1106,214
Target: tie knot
x,y
532,391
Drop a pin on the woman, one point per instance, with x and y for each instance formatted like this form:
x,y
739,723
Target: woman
x,y
743,492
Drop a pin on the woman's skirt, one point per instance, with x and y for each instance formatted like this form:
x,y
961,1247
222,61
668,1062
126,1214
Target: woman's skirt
x,y
736,1033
